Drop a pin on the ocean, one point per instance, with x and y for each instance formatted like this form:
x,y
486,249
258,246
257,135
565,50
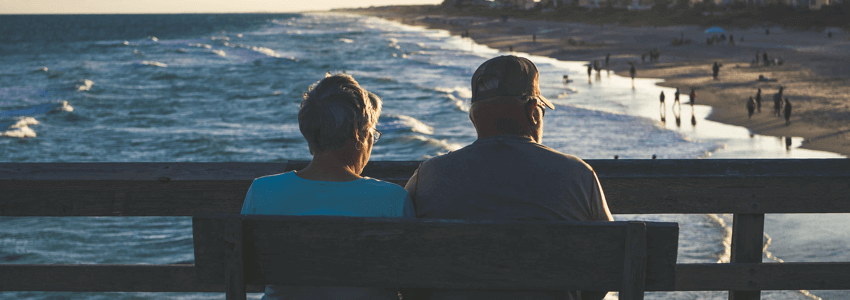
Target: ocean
x,y
227,87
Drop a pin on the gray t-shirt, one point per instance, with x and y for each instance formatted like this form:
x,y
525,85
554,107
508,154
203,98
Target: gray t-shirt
x,y
507,177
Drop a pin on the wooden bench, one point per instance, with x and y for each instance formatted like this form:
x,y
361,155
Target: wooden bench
x,y
628,257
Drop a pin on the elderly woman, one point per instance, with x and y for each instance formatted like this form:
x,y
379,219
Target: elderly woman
x,y
337,118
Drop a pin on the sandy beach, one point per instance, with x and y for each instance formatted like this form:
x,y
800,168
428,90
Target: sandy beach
x,y
815,69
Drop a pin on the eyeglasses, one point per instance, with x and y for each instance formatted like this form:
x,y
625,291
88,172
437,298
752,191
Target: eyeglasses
x,y
376,136
542,108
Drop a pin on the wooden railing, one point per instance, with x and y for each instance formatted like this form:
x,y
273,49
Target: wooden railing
x,y
746,188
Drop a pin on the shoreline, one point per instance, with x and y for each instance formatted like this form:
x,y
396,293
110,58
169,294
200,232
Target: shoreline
x,y
814,73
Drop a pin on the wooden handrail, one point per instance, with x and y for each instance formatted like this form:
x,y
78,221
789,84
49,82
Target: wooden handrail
x,y
631,186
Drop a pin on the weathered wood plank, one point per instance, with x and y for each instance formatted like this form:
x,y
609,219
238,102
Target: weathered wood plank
x,y
182,278
634,273
137,171
120,198
747,247
763,276
631,186
106,278
421,253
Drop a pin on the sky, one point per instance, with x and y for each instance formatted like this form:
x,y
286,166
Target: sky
x,y
185,6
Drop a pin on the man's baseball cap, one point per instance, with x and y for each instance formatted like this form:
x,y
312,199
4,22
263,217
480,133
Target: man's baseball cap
x,y
507,76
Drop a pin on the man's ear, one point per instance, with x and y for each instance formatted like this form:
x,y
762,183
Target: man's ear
x,y
534,115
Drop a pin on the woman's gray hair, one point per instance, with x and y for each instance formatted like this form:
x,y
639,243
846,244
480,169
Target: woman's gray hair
x,y
333,109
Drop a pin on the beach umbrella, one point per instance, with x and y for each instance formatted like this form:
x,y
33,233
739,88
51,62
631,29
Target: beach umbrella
x,y
715,29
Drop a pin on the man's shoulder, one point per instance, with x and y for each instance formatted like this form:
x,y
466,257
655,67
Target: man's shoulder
x,y
562,159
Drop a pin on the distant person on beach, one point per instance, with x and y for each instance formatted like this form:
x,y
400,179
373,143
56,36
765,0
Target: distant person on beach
x,y
607,58
632,72
337,118
751,107
715,69
693,96
766,31
757,57
676,97
661,97
590,70
787,112
764,58
758,100
507,174
732,40
777,102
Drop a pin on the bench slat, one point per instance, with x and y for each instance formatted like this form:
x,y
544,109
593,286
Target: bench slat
x,y
453,253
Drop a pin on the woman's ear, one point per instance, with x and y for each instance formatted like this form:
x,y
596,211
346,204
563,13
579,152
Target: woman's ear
x,y
356,135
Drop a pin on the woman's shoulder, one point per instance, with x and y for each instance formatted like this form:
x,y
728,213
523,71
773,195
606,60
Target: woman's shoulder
x,y
380,184
275,179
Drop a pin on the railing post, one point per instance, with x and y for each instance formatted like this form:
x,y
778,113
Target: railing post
x,y
634,273
234,271
747,247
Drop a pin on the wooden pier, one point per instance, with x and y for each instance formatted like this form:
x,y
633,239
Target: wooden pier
x,y
749,189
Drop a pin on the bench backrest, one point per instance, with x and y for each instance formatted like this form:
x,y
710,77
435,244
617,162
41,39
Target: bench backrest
x,y
431,253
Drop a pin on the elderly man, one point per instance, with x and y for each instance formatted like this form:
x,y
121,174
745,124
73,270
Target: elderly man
x,y
507,173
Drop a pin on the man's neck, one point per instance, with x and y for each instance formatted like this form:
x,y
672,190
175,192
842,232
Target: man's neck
x,y
486,136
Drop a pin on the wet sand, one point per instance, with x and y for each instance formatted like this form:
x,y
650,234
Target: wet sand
x,y
815,71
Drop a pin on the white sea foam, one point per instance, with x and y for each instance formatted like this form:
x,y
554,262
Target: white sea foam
x,y
444,145
201,45
726,254
391,123
64,106
154,63
347,41
153,38
219,52
264,50
219,38
84,85
20,129
459,95
24,122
